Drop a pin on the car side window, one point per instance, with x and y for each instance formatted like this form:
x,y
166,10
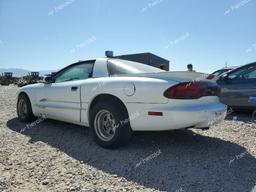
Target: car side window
x,y
246,73
76,72
251,74
237,74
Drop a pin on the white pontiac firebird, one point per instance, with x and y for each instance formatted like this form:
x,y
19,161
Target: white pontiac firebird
x,y
116,97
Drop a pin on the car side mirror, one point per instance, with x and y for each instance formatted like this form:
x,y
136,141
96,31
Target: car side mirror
x,y
49,80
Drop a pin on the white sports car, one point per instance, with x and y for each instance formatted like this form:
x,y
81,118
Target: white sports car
x,y
116,97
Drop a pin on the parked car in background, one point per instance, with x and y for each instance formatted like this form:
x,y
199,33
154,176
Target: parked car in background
x,y
237,86
220,72
116,97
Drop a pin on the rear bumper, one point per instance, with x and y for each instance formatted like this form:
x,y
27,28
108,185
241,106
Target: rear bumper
x,y
177,117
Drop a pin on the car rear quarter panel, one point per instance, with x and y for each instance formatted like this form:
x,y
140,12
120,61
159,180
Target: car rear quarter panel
x,y
127,89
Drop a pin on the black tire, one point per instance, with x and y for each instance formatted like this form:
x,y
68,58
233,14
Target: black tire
x,y
123,131
24,116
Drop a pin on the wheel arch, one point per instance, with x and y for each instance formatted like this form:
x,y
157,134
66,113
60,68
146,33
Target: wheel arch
x,y
27,95
23,93
106,98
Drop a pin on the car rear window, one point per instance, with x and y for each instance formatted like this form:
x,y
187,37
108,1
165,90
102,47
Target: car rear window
x,y
118,67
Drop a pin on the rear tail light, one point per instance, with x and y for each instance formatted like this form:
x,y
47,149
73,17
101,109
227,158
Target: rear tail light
x,y
192,90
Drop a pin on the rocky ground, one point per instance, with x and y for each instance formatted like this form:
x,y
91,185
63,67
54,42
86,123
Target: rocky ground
x,y
55,156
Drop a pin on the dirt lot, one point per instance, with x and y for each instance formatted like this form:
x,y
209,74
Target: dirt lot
x,y
55,156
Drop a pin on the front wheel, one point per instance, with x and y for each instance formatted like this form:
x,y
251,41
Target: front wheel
x,y
111,126
24,109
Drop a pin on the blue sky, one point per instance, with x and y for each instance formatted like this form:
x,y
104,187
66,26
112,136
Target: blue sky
x,y
50,34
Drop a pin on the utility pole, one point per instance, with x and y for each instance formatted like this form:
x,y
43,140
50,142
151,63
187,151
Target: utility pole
x,y
226,64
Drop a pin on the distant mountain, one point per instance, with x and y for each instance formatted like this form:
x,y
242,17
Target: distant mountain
x,y
22,72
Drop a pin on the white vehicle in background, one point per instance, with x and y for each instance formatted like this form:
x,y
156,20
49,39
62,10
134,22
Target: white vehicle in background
x,y
116,97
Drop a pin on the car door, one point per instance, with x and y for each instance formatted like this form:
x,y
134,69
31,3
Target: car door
x,y
238,87
61,99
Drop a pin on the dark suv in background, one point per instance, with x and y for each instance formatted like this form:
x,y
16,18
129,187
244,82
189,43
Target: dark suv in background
x,y
237,86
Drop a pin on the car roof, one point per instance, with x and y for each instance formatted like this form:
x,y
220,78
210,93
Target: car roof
x,y
87,60
243,66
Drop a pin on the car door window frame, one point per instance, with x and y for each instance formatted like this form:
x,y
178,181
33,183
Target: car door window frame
x,y
248,72
240,72
61,72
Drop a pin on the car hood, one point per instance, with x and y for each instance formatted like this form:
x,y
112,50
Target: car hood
x,y
32,86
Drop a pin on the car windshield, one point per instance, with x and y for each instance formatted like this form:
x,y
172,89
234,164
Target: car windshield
x,y
118,67
217,73
220,72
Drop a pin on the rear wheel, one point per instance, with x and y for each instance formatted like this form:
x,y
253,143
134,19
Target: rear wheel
x,y
24,109
110,124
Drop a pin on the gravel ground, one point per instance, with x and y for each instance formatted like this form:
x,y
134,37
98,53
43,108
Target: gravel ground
x,y
56,156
